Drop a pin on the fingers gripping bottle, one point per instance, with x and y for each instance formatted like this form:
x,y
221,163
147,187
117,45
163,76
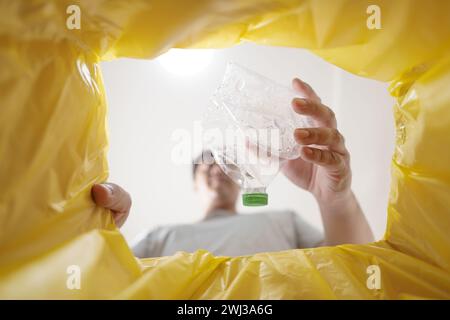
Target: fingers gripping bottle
x,y
249,129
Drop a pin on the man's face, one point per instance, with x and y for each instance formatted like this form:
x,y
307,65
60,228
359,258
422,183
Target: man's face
x,y
214,185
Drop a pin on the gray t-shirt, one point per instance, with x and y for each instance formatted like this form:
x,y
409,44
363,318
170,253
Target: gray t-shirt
x,y
225,234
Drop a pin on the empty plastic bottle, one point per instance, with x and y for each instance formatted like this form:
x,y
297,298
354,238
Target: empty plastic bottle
x,y
250,126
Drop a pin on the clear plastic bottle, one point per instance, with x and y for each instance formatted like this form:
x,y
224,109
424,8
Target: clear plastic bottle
x,y
250,126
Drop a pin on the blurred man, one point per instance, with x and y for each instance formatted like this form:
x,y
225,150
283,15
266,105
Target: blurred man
x,y
323,169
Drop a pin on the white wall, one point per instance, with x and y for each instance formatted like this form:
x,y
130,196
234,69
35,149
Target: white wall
x,y
147,103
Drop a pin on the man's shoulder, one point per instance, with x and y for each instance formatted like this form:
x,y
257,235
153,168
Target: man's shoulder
x,y
271,215
162,230
276,213
151,232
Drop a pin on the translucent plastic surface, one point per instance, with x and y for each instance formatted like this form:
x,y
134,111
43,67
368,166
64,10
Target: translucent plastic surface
x,y
255,125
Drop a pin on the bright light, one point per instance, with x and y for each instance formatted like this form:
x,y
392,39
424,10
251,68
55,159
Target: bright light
x,y
186,61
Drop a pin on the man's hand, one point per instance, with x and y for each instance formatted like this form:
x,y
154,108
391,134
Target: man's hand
x,y
113,197
323,167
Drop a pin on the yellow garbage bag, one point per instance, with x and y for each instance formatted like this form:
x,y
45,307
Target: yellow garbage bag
x,y
53,142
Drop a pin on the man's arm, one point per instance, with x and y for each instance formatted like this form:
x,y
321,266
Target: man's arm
x,y
111,196
323,169
344,222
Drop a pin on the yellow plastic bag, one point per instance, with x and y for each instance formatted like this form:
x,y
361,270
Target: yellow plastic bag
x,y
53,147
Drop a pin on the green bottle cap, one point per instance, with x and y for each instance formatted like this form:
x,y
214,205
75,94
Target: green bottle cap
x,y
255,199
